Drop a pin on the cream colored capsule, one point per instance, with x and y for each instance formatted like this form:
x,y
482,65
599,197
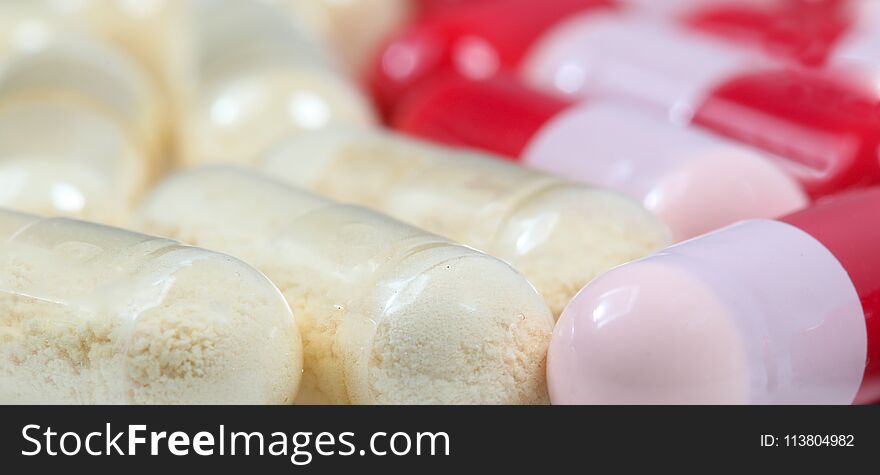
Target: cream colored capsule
x,y
97,315
61,159
249,76
558,234
83,70
389,314
75,128
143,28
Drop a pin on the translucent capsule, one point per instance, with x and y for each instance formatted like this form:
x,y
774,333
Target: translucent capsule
x,y
389,314
97,315
558,234
61,159
78,132
141,27
81,68
249,77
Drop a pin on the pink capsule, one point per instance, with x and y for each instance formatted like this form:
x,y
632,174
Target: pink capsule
x,y
761,312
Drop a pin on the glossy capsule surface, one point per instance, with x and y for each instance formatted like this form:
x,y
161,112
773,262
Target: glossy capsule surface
x,y
766,312
98,315
389,314
80,131
559,234
249,76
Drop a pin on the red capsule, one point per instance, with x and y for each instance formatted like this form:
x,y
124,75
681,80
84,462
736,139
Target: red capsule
x,y
476,41
849,227
824,128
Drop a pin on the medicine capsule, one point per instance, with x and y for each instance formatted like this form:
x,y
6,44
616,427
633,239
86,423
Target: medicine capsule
x,y
823,128
813,33
248,77
73,127
557,233
694,181
470,39
97,315
141,27
83,69
820,128
762,312
389,314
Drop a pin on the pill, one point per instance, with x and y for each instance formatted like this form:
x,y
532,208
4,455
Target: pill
x,y
693,181
467,36
761,312
557,233
54,60
468,39
389,314
823,129
248,76
97,315
60,159
75,122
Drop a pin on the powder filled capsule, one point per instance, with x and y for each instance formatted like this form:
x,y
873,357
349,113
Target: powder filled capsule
x,y
97,315
557,233
389,314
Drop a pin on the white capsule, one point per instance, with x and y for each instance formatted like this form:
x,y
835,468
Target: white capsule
x,y
248,76
79,131
65,62
62,159
389,314
558,234
97,315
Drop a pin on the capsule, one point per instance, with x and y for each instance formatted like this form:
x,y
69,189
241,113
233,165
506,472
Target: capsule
x,y
762,312
389,314
86,69
249,76
693,181
557,233
97,315
75,132
824,129
821,128
468,40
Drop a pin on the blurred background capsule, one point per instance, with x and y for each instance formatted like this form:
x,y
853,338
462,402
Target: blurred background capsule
x,y
81,133
249,75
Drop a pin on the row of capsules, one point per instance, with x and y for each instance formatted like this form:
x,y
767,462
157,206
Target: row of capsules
x,y
711,113
346,305
388,313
